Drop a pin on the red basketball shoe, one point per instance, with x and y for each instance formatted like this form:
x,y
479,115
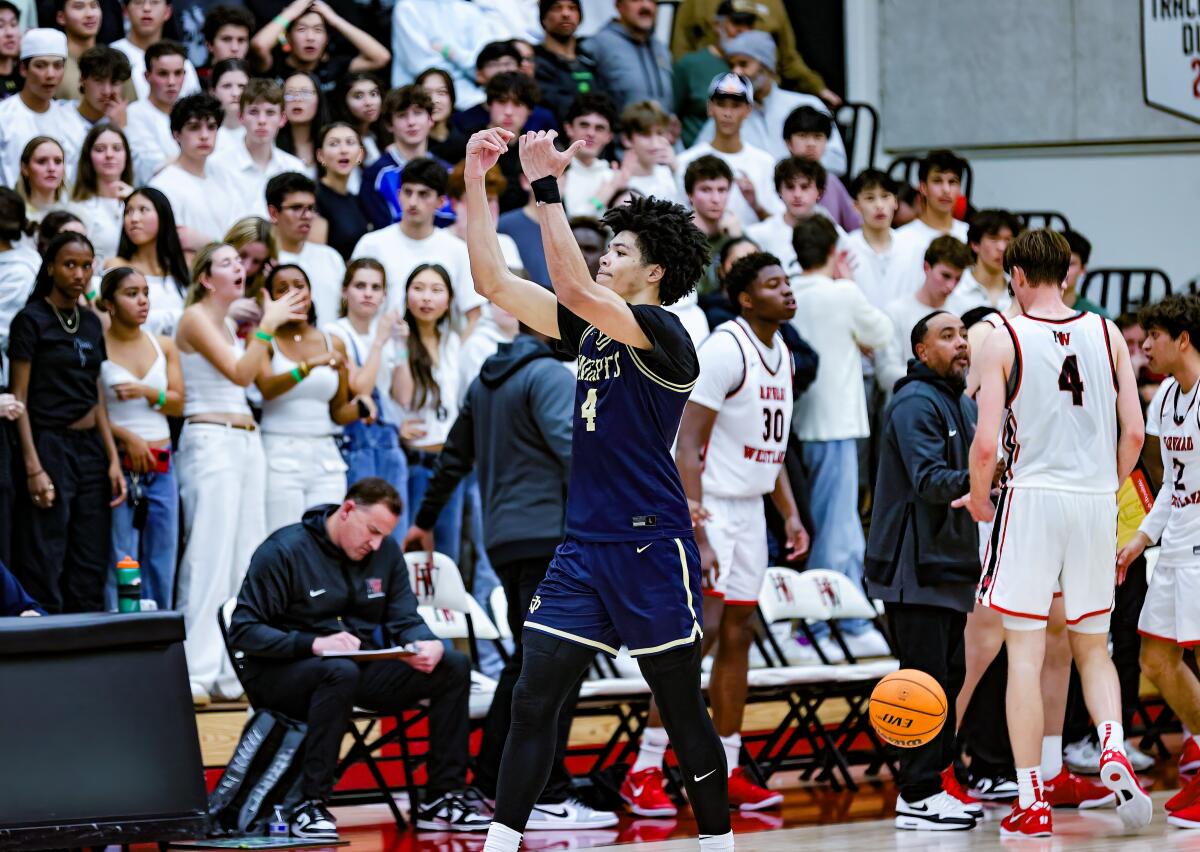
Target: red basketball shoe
x,y
1189,759
1185,798
1037,820
1133,804
1067,790
745,795
1188,817
951,785
643,792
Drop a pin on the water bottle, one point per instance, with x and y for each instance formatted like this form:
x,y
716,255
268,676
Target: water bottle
x,y
279,824
129,585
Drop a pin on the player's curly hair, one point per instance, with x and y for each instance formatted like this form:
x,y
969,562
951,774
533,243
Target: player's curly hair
x,y
666,236
743,272
1174,315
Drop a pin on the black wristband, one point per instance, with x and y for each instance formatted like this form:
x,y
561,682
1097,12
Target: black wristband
x,y
545,190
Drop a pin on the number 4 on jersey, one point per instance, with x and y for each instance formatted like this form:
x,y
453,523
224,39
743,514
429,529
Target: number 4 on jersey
x,y
1069,380
588,410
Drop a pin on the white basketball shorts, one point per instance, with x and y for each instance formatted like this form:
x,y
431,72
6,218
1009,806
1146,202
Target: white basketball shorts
x,y
1172,608
1041,538
737,531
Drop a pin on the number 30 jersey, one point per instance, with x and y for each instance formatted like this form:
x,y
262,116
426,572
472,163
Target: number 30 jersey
x,y
1061,431
750,388
624,484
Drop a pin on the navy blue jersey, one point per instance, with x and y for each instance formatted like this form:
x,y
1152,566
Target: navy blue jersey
x,y
624,484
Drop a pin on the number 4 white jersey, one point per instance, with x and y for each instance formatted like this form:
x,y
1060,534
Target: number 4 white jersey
x,y
1061,431
750,388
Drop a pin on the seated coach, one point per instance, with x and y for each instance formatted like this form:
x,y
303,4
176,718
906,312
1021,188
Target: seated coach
x,y
334,582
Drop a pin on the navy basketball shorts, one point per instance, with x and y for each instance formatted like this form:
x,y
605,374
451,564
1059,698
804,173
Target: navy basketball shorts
x,y
644,595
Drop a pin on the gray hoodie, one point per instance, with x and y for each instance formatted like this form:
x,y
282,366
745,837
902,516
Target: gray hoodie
x,y
515,429
631,70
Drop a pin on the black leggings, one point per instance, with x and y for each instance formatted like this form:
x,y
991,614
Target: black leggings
x,y
551,670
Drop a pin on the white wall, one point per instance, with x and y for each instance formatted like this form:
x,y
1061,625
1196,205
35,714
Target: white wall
x,y
1138,204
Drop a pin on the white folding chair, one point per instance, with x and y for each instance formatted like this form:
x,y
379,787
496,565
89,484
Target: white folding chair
x,y
498,601
844,599
439,587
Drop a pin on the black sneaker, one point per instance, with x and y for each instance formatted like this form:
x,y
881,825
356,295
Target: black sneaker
x,y
312,821
454,812
993,788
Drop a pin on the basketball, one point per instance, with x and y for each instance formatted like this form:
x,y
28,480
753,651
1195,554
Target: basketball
x,y
908,708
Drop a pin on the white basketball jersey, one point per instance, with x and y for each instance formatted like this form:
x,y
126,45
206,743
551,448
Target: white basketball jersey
x,y
1179,434
1061,431
750,435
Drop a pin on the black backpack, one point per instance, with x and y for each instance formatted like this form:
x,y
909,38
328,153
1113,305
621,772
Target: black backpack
x,y
263,773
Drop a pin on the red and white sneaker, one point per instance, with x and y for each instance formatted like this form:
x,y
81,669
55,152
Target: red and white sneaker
x,y
1133,804
745,795
1188,817
952,786
1068,790
1189,759
1188,796
1037,820
643,792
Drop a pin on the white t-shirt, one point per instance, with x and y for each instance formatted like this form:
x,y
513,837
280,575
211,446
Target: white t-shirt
x,y
18,269
19,124
580,183
401,254
137,67
166,304
326,270
103,218
774,235
438,419
660,183
237,168
206,204
971,294
358,347
74,129
148,130
906,273
752,162
870,267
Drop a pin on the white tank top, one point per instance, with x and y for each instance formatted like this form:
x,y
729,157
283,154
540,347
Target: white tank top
x,y
137,415
1178,417
303,409
208,391
750,435
1061,431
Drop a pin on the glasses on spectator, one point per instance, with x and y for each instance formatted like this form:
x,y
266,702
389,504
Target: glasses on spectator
x,y
301,209
299,95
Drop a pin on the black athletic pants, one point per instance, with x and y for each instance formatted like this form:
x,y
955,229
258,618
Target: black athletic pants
x,y
61,554
551,670
929,638
520,580
324,692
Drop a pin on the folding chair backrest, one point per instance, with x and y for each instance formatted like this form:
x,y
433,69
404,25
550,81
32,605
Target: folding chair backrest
x,y
838,592
858,122
499,603
438,584
1122,289
1051,219
445,623
484,628
224,619
784,597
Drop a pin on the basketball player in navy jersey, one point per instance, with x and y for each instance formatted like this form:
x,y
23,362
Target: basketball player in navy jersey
x,y
628,572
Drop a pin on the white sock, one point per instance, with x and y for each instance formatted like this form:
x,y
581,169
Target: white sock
x,y
654,746
733,750
716,842
1029,786
501,838
1052,757
1112,735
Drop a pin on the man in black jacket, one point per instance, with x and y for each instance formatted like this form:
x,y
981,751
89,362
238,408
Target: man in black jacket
x,y
329,584
523,470
923,556
563,71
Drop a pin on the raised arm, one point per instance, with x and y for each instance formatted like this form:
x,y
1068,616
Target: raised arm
x,y
531,303
569,273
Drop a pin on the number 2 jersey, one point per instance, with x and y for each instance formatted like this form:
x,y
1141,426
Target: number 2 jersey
x,y
624,484
1175,417
1061,430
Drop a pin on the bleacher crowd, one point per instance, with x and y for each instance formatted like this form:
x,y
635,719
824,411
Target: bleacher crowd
x,y
234,277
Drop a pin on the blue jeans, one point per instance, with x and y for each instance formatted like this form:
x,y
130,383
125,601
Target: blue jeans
x,y
373,449
490,661
155,546
447,532
837,539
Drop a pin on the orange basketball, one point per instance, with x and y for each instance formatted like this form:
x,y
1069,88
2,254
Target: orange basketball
x,y
908,708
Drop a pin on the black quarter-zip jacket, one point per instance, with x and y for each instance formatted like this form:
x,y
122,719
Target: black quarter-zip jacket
x,y
301,585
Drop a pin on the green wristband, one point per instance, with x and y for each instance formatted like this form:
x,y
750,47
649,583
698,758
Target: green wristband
x,y
162,400
297,375
264,336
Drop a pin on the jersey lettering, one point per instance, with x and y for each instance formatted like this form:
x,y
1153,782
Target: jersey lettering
x,y
1069,380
